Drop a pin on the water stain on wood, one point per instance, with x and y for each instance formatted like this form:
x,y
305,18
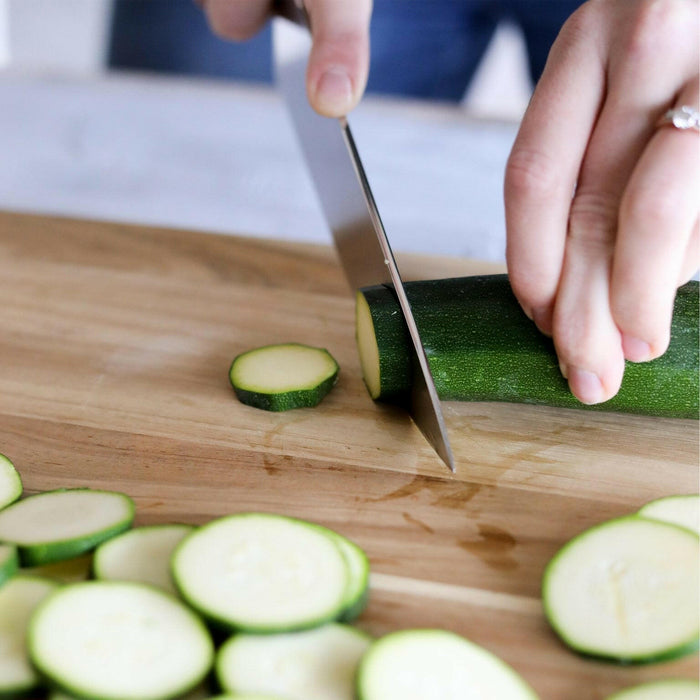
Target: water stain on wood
x,y
494,547
415,521
446,494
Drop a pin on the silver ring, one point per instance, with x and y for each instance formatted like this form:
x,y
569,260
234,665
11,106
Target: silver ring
x,y
685,117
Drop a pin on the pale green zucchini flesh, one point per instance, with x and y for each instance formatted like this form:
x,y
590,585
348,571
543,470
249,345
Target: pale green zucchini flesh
x,y
62,524
119,641
19,598
142,555
626,590
284,376
481,347
431,663
683,510
316,664
10,482
671,689
262,573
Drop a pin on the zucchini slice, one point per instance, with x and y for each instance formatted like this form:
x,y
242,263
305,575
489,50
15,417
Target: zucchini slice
x,y
259,572
57,525
683,510
317,664
283,377
626,590
10,482
119,640
142,554
431,663
19,597
9,562
481,347
357,589
672,689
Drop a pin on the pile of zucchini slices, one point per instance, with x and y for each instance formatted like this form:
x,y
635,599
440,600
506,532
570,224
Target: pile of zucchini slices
x,y
262,606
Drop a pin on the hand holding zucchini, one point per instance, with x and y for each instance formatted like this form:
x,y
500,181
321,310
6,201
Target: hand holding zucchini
x,y
482,347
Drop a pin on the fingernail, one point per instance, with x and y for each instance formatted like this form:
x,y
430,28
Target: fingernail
x,y
586,386
635,350
543,320
334,90
564,370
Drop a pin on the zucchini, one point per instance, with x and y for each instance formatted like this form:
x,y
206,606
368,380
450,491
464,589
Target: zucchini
x,y
481,347
672,689
317,664
357,588
118,640
142,554
9,562
683,510
430,663
63,524
19,597
626,590
10,482
66,571
283,377
262,573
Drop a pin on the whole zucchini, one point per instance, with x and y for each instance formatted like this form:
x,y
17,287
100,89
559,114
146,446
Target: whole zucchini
x,y
482,347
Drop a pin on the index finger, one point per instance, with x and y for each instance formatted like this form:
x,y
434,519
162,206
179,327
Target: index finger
x,y
544,163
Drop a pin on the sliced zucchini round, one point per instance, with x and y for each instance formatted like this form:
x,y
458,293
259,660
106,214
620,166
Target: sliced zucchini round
x,y
10,482
672,689
431,663
683,510
259,572
57,525
626,590
317,664
19,597
9,562
357,589
283,377
142,554
119,640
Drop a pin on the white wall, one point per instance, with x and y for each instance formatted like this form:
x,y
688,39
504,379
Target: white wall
x,y
58,36
4,35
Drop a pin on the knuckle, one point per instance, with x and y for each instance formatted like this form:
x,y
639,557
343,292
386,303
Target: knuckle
x,y
593,218
654,25
530,174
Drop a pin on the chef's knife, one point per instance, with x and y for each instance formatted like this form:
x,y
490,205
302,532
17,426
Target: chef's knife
x,y
349,207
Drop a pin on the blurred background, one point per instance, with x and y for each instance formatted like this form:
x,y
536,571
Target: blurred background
x,y
132,110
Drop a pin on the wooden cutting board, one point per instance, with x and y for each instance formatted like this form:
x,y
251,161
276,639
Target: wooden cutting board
x,y
115,343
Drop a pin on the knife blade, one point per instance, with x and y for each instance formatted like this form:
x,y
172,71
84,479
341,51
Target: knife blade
x,y
350,209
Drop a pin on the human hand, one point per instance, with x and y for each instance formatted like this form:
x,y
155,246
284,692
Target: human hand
x,y
339,62
601,203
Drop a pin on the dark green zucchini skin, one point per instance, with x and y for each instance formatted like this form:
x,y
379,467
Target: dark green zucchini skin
x,y
482,347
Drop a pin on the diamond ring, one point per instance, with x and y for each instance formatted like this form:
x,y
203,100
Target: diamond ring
x,y
685,117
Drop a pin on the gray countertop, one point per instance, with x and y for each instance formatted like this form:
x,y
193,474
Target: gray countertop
x,y
222,157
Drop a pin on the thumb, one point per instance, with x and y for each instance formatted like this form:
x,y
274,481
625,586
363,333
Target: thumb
x,y
339,62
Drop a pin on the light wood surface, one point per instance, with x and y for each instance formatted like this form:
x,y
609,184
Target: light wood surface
x,y
115,345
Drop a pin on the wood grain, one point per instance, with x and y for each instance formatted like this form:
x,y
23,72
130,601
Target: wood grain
x,y
114,354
